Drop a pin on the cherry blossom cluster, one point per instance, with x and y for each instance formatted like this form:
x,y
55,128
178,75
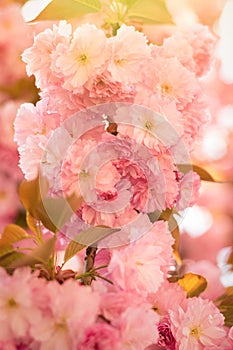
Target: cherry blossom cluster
x,y
83,68
116,119
141,310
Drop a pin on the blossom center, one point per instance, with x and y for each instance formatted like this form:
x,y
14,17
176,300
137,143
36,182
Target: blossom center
x,y
84,174
61,326
83,59
12,303
165,88
120,61
195,332
148,125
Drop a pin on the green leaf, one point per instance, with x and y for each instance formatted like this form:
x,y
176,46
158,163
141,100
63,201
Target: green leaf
x,y
8,259
226,306
31,222
39,255
72,249
87,238
55,212
4,251
66,9
204,175
148,11
31,194
12,234
52,212
193,284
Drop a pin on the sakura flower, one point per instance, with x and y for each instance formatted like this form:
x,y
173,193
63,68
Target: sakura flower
x,y
31,154
101,336
39,57
129,52
166,338
103,88
198,325
18,313
64,316
27,122
140,266
189,190
87,52
135,334
202,49
173,82
165,302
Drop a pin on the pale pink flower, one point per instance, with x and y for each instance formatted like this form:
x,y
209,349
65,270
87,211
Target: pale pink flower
x,y
72,164
101,336
115,302
31,154
66,320
138,327
62,101
198,325
140,266
27,122
103,88
189,190
194,117
18,313
85,55
172,81
107,177
39,56
177,46
166,338
129,53
168,297
203,43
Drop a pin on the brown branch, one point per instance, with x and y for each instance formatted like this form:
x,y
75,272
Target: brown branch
x,y
89,264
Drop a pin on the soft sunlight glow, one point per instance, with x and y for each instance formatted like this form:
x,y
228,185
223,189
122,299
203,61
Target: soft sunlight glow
x,y
225,49
225,117
33,8
214,143
197,220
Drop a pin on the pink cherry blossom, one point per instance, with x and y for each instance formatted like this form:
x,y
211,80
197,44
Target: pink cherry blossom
x,y
168,301
103,88
31,154
140,266
135,334
63,315
129,52
199,324
18,313
189,190
39,57
101,336
86,54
